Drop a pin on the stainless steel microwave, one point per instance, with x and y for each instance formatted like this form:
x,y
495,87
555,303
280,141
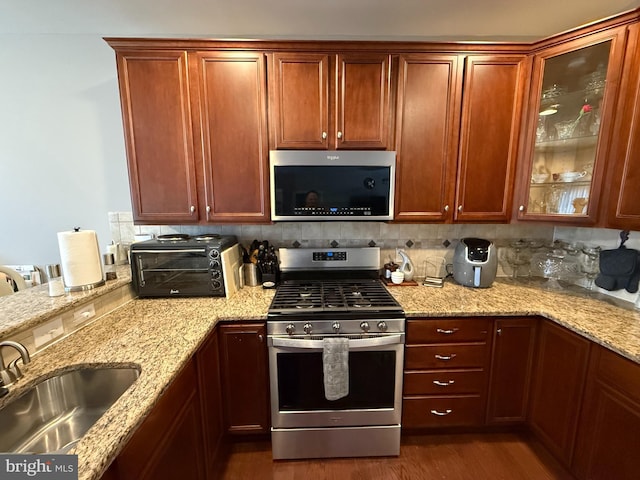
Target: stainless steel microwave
x,y
332,185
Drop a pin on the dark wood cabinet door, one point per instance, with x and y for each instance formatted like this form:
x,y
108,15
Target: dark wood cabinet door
x,y
362,101
245,378
156,114
494,87
511,363
208,363
623,208
299,100
168,444
232,109
609,435
427,127
558,385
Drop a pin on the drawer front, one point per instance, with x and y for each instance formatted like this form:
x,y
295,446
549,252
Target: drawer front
x,y
444,382
620,372
453,411
445,356
448,330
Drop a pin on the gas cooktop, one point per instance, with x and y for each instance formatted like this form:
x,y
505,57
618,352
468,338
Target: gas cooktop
x,y
309,297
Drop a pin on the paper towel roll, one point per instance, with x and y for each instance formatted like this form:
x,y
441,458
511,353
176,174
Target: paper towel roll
x,y
80,259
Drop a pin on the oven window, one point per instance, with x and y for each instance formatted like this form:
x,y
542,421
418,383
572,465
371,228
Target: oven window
x,y
175,260
371,381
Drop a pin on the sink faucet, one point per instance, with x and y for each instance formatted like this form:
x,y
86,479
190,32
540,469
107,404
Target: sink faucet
x,y
9,374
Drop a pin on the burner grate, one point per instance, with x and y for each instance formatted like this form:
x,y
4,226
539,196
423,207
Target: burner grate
x,y
332,296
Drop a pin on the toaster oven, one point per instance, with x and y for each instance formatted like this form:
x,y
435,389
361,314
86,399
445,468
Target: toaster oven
x,y
180,265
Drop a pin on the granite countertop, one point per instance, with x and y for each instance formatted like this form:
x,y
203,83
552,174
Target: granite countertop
x,y
159,336
30,307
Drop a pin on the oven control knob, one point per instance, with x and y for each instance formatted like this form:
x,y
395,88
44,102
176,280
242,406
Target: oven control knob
x,y
214,265
336,327
290,329
382,326
216,274
364,326
308,328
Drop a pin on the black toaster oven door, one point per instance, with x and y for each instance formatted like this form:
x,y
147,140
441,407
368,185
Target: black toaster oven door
x,y
175,273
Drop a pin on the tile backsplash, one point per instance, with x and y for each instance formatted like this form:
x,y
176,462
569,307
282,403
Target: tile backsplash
x,y
420,241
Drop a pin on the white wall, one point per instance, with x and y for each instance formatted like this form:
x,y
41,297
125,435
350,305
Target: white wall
x,y
62,160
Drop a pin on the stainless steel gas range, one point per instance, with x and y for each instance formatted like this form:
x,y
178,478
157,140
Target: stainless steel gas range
x,y
333,299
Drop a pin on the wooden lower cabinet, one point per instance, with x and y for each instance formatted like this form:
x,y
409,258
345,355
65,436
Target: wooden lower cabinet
x,y
245,378
168,444
208,362
445,377
609,433
511,365
557,390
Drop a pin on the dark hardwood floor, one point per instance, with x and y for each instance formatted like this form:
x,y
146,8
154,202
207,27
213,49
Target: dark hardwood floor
x,y
486,456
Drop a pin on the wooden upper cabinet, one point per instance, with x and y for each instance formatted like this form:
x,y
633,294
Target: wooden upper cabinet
x,y
491,110
623,208
322,101
362,101
570,115
299,98
232,106
154,92
427,126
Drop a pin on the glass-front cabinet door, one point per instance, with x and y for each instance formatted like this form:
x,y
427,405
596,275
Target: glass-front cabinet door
x,y
569,121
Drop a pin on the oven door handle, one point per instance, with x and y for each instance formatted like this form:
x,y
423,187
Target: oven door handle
x,y
354,344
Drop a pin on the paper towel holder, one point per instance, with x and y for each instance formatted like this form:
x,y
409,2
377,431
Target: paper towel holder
x,y
86,286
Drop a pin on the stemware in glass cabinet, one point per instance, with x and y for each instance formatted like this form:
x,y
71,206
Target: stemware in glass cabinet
x,y
567,128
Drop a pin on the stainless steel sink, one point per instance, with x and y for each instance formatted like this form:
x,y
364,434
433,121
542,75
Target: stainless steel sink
x,y
53,415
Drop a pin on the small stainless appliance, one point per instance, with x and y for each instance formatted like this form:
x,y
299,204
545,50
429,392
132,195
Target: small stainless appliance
x,y
332,185
475,263
179,265
334,294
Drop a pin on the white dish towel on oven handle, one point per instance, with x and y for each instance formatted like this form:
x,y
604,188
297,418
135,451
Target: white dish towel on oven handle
x,y
335,365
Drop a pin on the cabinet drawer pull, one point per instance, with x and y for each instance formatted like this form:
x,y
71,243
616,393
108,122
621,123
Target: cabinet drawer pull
x,y
443,384
441,414
445,357
339,134
446,332
192,209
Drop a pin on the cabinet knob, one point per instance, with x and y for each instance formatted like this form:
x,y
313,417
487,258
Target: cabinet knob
x,y
521,208
324,135
208,209
261,338
460,208
192,209
499,331
339,134
446,208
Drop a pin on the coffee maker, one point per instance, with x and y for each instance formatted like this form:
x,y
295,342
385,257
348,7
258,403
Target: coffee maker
x,y
475,263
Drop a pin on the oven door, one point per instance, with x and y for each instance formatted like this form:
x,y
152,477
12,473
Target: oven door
x,y
173,273
297,388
